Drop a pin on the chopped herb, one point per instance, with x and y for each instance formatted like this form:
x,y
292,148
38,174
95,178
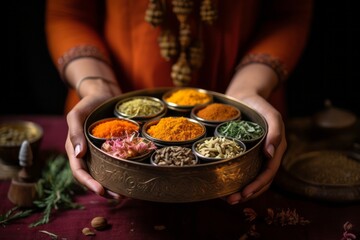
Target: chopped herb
x,y
240,129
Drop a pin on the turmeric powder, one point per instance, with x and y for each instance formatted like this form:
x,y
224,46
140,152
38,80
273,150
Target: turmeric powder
x,y
114,128
188,97
175,129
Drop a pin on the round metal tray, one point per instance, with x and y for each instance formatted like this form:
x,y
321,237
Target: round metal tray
x,y
324,167
204,181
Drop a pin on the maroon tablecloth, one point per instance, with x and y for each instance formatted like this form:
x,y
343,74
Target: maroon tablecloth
x,y
213,219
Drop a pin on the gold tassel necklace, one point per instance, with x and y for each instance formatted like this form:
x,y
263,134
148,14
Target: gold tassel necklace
x,y
188,51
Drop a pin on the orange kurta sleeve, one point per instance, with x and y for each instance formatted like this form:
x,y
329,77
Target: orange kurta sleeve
x,y
71,24
282,34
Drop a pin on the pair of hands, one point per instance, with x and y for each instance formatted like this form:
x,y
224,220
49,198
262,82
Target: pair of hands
x,y
274,147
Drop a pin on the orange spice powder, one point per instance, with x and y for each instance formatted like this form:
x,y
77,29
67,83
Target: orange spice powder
x,y
217,112
114,128
175,129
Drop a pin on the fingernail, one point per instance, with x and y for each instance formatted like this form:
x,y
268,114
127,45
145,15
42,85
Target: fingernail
x,y
249,195
234,202
270,150
77,150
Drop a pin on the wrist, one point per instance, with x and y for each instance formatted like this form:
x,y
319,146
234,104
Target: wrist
x,y
96,82
255,78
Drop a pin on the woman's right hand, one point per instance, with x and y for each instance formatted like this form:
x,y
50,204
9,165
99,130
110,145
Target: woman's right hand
x,y
94,92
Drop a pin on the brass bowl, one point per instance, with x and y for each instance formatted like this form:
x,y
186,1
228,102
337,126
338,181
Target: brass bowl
x,y
179,107
212,159
211,124
100,140
141,118
173,161
247,141
163,143
141,180
12,134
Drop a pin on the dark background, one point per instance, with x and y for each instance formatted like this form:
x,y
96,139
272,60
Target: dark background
x,y
328,69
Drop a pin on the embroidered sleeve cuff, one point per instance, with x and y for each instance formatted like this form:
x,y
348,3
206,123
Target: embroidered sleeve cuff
x,y
79,52
268,60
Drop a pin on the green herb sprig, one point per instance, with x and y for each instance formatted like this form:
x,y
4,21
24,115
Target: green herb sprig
x,y
13,214
55,189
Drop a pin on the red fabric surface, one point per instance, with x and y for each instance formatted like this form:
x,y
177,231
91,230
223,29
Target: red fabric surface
x,y
213,219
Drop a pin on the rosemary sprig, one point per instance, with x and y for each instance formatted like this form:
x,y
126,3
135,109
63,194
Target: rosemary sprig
x,y
14,214
55,189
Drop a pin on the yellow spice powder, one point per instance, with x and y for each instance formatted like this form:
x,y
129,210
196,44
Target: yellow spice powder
x,y
188,97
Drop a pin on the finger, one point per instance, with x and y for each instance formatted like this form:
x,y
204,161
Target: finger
x,y
79,171
75,121
275,134
268,174
237,197
113,195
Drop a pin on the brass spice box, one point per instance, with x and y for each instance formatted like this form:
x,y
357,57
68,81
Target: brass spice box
x,y
204,181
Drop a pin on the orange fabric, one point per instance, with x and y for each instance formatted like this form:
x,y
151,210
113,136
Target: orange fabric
x,y
71,100
131,42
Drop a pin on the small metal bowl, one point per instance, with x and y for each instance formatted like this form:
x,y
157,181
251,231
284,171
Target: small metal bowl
x,y
159,108
162,143
12,134
212,159
139,158
245,140
212,123
173,161
100,140
184,108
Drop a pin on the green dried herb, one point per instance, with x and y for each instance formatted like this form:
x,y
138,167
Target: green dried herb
x,y
13,214
241,129
55,189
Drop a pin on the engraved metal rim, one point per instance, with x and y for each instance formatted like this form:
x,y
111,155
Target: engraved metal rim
x,y
99,163
27,125
212,159
162,142
105,120
120,114
175,106
212,122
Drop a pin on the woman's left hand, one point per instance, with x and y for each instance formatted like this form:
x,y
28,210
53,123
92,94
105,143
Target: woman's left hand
x,y
274,149
275,142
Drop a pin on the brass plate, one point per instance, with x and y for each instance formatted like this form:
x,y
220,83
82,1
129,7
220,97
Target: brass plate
x,y
321,167
142,180
325,168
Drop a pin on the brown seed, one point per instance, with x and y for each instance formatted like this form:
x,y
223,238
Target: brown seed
x,y
99,223
87,232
